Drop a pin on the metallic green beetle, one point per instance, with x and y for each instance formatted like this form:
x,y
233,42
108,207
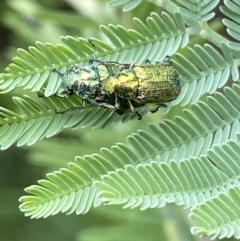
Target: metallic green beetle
x,y
87,81
121,87
148,84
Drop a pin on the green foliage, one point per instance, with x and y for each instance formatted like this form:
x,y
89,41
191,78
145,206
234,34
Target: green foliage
x,y
224,209
32,69
131,4
200,11
192,158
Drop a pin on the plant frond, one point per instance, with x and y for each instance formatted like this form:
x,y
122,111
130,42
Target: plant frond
x,y
68,190
159,37
156,184
203,70
192,136
200,11
218,217
130,6
188,183
232,11
146,185
39,119
226,158
191,159
42,117
201,127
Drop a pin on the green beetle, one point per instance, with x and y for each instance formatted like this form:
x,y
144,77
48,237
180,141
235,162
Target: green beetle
x,y
121,87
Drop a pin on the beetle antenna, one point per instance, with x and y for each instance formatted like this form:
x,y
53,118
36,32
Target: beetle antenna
x,y
94,51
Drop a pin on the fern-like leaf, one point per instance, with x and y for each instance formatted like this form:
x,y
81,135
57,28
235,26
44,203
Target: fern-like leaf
x,y
219,217
204,125
153,185
232,11
191,137
42,117
200,11
39,119
212,72
68,190
186,183
203,70
130,6
33,69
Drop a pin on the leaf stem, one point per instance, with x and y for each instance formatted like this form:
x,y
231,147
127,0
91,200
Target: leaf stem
x,y
165,4
210,35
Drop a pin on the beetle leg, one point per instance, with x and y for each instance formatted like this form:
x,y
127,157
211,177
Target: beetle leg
x,y
147,61
153,111
72,108
132,110
116,102
167,60
159,105
131,65
40,94
139,116
131,107
84,102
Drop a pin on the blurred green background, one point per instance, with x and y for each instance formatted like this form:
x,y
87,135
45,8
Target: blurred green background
x,y
22,22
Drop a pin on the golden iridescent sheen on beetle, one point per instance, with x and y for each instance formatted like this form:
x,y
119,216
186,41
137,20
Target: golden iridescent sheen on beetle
x,y
121,87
